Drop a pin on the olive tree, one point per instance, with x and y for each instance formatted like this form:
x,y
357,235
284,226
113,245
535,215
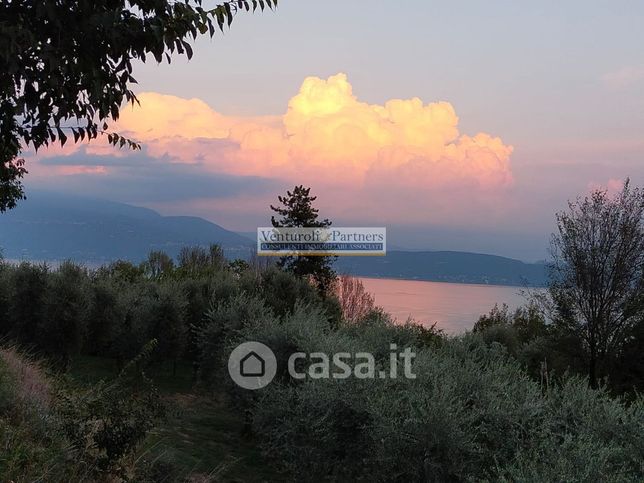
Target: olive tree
x,y
597,273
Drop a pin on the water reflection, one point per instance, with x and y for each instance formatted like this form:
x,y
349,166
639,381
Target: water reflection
x,y
454,306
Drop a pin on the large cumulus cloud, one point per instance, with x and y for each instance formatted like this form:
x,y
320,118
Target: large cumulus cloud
x,y
368,162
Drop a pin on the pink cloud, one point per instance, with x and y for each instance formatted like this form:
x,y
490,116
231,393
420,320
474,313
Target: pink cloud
x,y
403,160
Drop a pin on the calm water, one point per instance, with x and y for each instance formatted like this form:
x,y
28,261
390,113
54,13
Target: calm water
x,y
454,306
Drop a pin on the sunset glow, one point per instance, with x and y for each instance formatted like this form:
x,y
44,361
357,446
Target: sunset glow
x,y
327,138
455,144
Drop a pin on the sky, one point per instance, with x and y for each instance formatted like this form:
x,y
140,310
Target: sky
x,y
457,125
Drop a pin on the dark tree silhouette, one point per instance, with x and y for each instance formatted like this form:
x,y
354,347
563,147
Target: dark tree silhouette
x,y
297,211
597,278
66,66
158,264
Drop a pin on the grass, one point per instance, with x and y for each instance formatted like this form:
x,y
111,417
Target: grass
x,y
87,370
200,436
31,448
204,435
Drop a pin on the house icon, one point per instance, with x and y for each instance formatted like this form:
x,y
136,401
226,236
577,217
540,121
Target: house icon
x,y
252,365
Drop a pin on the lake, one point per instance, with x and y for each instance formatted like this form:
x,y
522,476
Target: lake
x,y
455,307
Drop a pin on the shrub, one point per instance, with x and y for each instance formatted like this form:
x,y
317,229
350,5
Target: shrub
x,y
356,303
301,330
107,313
32,444
55,432
62,329
471,413
223,323
505,335
627,368
223,286
107,422
197,295
238,266
5,294
529,322
584,436
282,290
167,323
159,265
28,291
199,261
123,271
497,316
140,301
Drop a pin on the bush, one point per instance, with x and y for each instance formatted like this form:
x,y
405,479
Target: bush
x,y
627,367
159,265
123,271
472,413
5,300
167,323
223,322
107,313
62,328
505,335
355,302
51,431
114,310
106,422
28,291
585,436
140,301
497,316
197,294
199,261
33,447
223,286
282,291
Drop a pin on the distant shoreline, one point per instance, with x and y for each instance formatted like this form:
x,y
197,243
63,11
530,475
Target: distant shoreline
x,y
456,282
371,277
93,264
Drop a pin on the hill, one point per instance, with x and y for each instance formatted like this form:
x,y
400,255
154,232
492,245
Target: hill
x,y
446,266
51,226
54,227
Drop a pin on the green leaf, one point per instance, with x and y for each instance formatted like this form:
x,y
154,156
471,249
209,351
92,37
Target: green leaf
x,y
186,46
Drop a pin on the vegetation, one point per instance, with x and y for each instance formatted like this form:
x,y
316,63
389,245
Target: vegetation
x,y
297,211
355,302
51,432
472,413
67,67
597,281
137,386
591,319
149,318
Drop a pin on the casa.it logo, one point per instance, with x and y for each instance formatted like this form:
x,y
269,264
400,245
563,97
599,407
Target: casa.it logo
x,y
252,365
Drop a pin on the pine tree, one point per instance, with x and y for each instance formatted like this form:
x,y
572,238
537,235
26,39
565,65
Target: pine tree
x,y
298,211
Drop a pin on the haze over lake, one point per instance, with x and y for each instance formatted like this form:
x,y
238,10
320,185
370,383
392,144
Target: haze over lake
x,y
455,307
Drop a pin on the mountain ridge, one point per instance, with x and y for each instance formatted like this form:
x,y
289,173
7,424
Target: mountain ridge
x,y
54,226
447,266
